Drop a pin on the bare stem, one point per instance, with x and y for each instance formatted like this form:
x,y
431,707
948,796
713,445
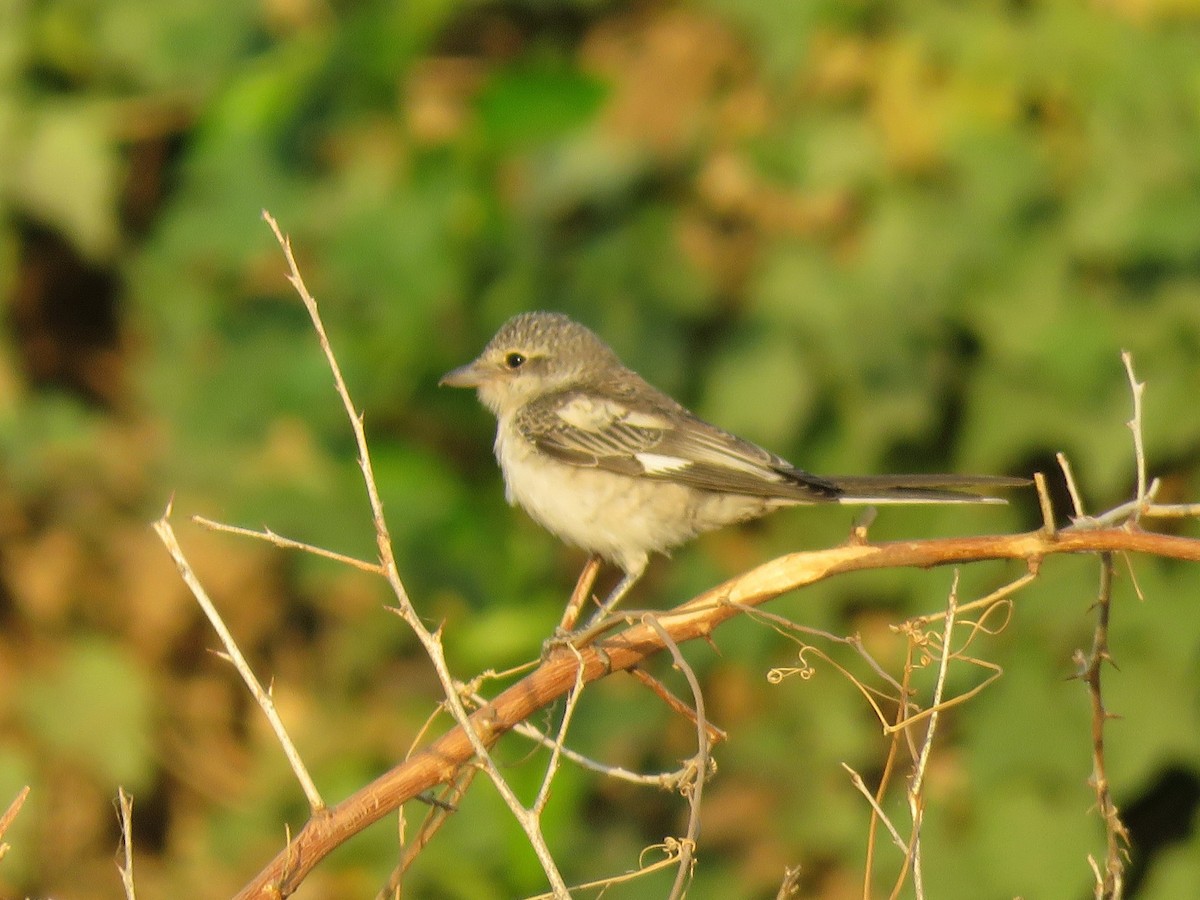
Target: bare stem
x,y
10,815
430,640
125,808
285,543
1110,885
694,787
262,696
915,802
1135,424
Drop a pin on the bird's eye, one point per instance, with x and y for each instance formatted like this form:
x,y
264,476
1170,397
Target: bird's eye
x,y
514,360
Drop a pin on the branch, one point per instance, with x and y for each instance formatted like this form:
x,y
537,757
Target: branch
x,y
234,654
10,816
1110,883
558,675
431,641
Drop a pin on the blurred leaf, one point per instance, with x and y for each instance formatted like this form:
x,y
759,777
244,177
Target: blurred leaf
x,y
67,174
189,42
760,388
94,708
536,100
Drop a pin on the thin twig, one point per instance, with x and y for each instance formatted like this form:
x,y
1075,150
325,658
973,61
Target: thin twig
x,y
1142,505
915,804
396,890
1132,510
861,787
1138,388
556,749
701,761
125,808
1044,502
671,848
676,705
579,596
285,543
10,815
430,640
664,780
437,816
1125,512
1111,885
1172,511
383,538
790,886
1072,489
166,534
785,626
890,765
995,598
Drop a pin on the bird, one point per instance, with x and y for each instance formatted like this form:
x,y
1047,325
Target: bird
x,y
608,463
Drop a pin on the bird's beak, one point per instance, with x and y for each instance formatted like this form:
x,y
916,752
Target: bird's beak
x,y
469,376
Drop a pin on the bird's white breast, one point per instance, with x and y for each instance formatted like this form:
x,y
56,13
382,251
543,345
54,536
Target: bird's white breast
x,y
621,518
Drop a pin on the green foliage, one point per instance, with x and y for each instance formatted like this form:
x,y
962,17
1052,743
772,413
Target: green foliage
x,y
869,236
93,710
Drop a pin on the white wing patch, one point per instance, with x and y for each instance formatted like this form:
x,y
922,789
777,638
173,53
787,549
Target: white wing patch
x,y
639,419
657,464
590,413
597,415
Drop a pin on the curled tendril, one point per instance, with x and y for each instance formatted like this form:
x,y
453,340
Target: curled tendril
x,y
805,670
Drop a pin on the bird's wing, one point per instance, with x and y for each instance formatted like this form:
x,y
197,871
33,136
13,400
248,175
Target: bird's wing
x,y
657,439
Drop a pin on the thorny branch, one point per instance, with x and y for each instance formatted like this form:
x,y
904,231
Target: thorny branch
x,y
696,618
1110,879
233,653
446,760
430,640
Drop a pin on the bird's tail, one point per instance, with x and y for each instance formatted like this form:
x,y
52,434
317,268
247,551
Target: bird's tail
x,y
869,489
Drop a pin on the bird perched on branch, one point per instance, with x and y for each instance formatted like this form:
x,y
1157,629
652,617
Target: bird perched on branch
x,y
611,464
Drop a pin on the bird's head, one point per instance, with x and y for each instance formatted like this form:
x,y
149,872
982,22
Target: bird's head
x,y
534,354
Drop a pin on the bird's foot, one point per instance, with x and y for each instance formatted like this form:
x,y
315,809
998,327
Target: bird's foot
x,y
562,639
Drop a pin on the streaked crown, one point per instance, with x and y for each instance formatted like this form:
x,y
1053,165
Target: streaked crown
x,y
533,354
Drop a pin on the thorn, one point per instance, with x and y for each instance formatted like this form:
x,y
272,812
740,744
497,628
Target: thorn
x,y
862,524
429,798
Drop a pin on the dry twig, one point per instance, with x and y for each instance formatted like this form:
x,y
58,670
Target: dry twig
x,y
233,653
125,867
10,815
915,800
1109,886
699,766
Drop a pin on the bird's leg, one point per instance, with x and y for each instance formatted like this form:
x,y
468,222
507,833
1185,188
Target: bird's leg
x,y
615,596
579,596
598,623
